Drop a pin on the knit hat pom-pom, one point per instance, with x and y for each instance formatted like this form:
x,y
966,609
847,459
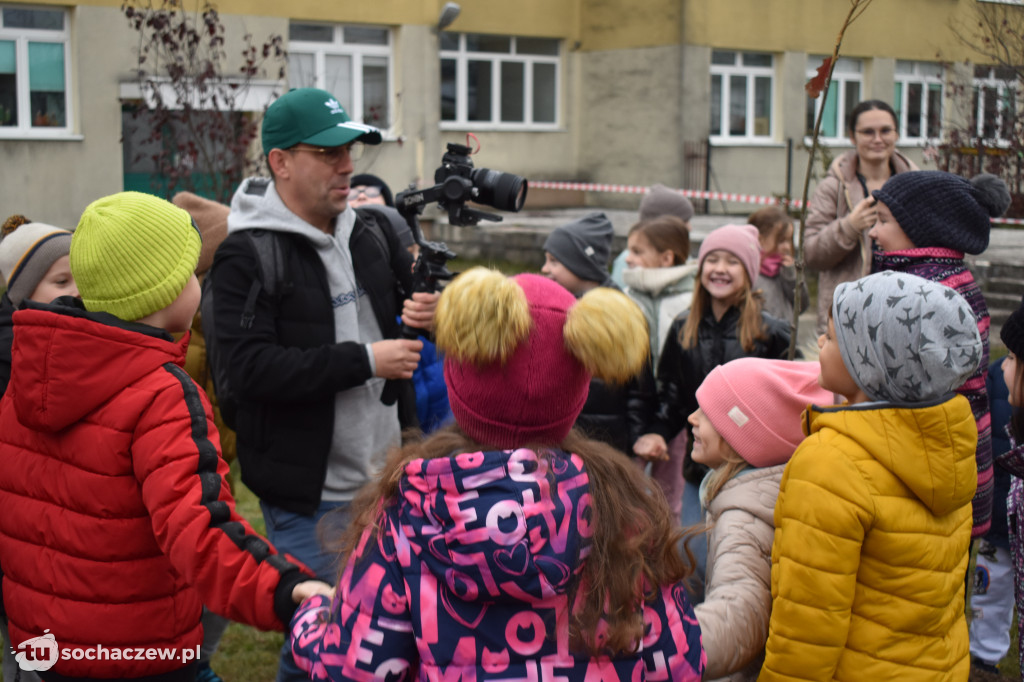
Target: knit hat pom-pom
x,y
482,316
992,193
607,333
12,223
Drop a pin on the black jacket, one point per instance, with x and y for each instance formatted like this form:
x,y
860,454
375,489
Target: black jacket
x,y
681,371
286,367
618,415
6,340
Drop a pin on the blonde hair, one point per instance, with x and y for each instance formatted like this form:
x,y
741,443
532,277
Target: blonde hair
x,y
724,473
750,326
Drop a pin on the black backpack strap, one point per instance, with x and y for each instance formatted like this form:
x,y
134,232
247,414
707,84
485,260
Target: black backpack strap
x,y
375,225
269,248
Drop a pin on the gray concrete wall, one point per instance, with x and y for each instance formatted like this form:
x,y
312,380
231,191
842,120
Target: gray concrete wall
x,y
630,109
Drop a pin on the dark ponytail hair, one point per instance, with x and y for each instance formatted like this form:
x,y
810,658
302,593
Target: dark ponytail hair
x,y
869,105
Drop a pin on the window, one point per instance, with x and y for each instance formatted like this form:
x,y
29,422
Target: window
x,y
917,99
742,84
34,71
499,81
843,95
353,63
994,104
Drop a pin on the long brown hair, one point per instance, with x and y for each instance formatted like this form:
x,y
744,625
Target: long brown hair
x,y
750,326
635,544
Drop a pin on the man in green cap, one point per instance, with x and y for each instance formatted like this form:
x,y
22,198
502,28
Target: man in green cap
x,y
316,365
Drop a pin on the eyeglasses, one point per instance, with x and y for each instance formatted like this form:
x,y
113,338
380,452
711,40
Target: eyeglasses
x,y
369,192
872,132
332,156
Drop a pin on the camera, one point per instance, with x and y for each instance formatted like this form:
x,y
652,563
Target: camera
x,y
461,182
457,182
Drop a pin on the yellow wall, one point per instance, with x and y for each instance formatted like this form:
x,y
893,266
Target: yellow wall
x,y
813,26
612,25
555,18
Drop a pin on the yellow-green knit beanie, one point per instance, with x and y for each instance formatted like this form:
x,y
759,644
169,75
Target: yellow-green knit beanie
x,y
133,254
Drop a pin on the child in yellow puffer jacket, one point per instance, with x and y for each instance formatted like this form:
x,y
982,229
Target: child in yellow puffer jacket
x,y
873,519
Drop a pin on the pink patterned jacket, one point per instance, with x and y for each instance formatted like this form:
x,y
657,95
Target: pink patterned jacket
x,y
469,578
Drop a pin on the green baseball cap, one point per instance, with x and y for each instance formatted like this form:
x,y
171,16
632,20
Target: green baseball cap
x,y
311,116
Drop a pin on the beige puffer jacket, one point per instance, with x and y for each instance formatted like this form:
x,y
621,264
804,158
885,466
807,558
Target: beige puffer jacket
x,y
835,249
734,616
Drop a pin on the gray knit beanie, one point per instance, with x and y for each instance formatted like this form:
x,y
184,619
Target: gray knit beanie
x,y
660,200
583,246
26,254
936,208
905,339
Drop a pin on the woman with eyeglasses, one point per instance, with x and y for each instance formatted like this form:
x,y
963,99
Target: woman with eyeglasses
x,y
841,212
369,189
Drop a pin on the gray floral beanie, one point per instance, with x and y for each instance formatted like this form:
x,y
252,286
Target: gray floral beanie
x,y
905,339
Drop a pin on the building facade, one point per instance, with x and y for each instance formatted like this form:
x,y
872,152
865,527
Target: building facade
x,y
691,93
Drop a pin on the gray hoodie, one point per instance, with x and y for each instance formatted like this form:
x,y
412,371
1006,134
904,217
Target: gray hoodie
x,y
364,428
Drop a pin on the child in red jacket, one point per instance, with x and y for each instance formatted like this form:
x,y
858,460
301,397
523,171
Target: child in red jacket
x,y
116,523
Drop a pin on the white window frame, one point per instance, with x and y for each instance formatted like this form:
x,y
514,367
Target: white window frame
x,y
462,57
750,74
847,71
1005,90
910,73
357,52
21,38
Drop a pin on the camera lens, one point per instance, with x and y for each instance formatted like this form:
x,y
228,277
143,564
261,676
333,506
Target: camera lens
x,y
503,191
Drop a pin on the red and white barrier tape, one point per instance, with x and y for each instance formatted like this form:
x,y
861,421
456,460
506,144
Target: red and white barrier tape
x,y
637,189
694,194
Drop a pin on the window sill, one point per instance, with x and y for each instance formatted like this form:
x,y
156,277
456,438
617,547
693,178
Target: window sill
x,y
40,137
502,127
744,142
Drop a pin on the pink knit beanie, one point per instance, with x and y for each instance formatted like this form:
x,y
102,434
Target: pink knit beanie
x,y
739,240
520,353
756,405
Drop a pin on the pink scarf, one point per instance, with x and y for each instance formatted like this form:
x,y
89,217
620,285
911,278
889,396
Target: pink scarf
x,y
771,263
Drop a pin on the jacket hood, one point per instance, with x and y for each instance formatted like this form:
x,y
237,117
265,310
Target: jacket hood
x,y
678,278
256,205
930,447
66,362
512,523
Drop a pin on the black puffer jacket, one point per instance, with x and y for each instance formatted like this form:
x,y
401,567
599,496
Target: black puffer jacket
x,y
618,415
681,371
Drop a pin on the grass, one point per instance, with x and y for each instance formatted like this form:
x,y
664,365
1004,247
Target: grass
x,y
246,653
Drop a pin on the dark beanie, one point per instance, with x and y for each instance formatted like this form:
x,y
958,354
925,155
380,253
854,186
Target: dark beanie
x,y
367,180
1012,332
583,246
941,209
